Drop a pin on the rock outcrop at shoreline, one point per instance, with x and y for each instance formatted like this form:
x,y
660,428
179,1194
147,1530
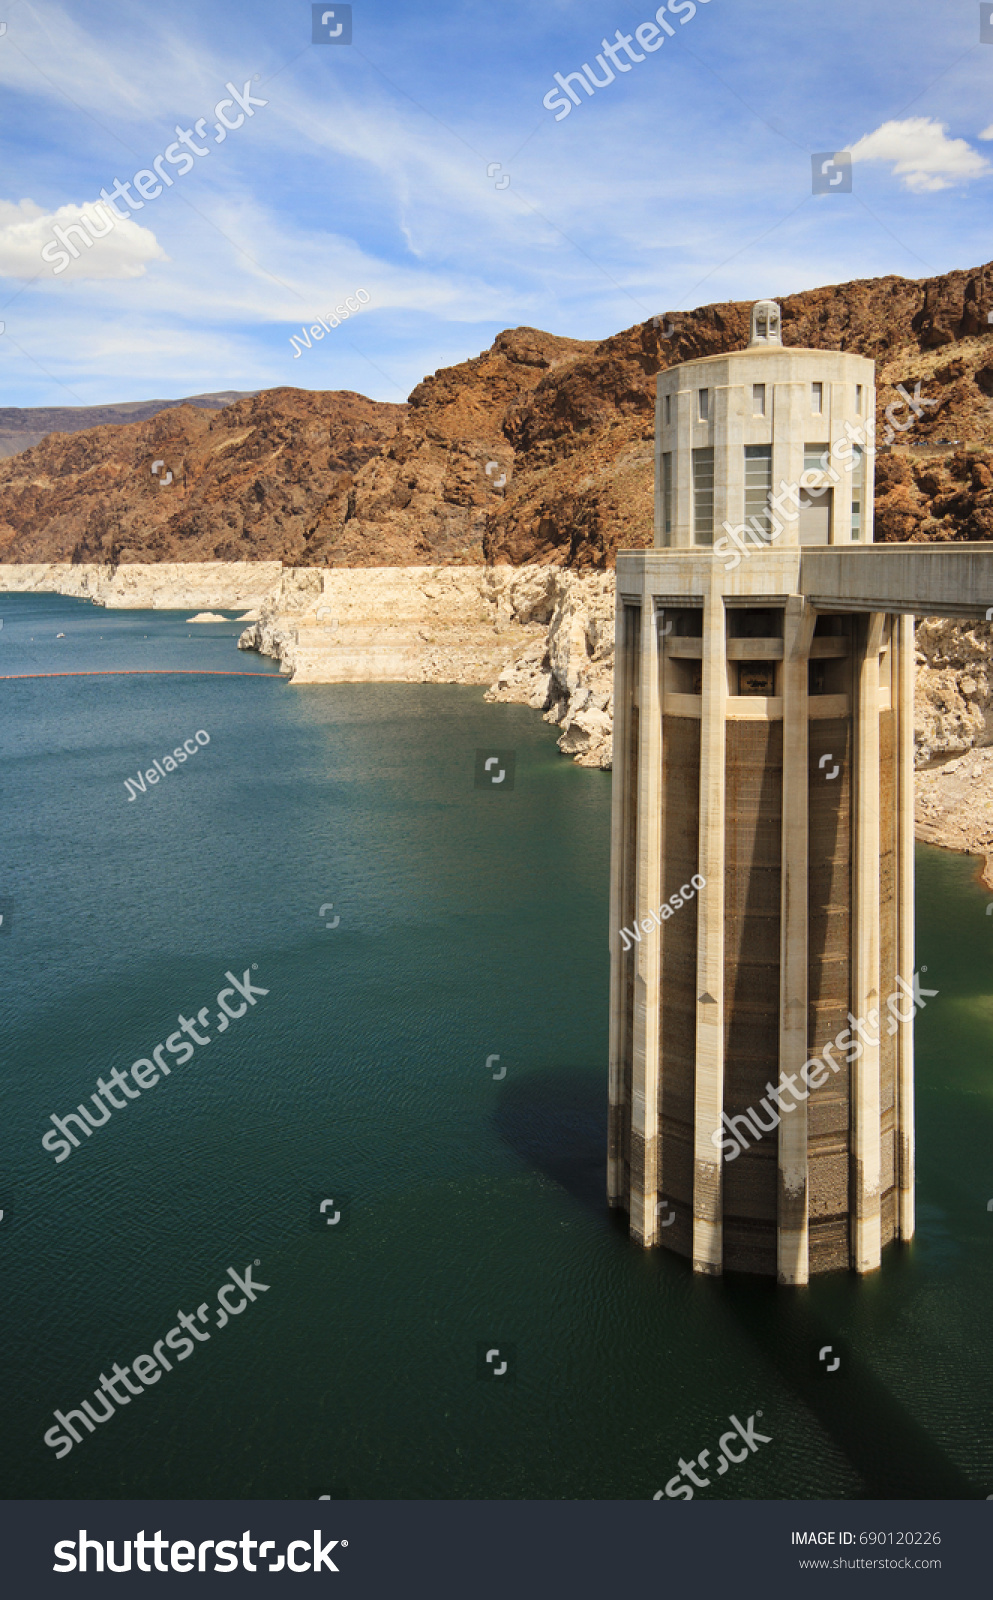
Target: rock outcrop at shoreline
x,y
534,635
954,693
953,733
538,635
153,586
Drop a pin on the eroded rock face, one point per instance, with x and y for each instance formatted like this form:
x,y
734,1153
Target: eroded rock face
x,y
545,636
537,451
934,498
954,806
430,495
247,483
156,586
568,673
953,710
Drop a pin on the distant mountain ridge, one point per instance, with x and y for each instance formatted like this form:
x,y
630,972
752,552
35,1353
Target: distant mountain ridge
x,y
24,426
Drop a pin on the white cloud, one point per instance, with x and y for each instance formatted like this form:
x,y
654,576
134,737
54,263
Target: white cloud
x,y
922,154
105,246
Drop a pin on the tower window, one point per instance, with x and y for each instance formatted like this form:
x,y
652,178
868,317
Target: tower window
x,y
758,487
667,496
703,404
858,399
703,496
833,676
684,677
816,457
817,398
758,399
668,409
753,622
857,489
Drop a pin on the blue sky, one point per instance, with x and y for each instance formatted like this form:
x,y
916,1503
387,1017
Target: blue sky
x,y
684,181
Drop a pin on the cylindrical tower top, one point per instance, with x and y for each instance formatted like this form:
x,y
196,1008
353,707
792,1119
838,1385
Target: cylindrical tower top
x,y
771,445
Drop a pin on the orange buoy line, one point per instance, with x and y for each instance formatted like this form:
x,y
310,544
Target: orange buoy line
x,y
139,672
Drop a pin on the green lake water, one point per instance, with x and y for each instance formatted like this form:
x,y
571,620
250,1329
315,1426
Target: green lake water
x,y
472,924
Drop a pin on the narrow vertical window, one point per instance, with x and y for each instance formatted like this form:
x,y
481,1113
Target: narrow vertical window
x,y
817,398
703,404
758,487
758,399
667,496
668,409
858,399
857,491
703,496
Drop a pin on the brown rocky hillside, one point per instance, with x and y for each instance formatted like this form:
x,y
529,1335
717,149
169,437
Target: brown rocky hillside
x,y
539,449
247,482
23,426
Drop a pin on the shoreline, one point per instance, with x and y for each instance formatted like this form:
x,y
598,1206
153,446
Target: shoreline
x,y
541,636
535,635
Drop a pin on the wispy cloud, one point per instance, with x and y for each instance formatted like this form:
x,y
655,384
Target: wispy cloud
x,y
689,181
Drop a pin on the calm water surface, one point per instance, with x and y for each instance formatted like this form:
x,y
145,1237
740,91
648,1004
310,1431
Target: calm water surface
x,y
472,924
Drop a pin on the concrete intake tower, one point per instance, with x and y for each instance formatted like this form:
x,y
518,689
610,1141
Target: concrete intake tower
x,y
762,885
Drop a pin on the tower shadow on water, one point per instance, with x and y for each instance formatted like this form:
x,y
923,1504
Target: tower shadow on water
x,y
554,1120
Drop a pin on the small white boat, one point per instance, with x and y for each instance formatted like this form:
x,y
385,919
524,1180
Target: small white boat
x,y
60,636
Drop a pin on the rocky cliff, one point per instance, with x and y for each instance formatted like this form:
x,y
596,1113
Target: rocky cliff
x,y
537,451
245,483
537,635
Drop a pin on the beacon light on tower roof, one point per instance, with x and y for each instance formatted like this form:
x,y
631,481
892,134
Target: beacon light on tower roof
x,y
763,742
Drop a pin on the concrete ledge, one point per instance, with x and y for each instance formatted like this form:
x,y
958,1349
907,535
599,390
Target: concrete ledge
x,y
826,649
829,705
926,579
755,649
683,705
754,708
